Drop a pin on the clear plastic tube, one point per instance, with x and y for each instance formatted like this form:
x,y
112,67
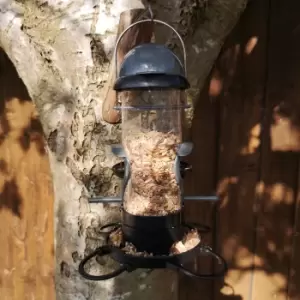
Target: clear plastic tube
x,y
151,131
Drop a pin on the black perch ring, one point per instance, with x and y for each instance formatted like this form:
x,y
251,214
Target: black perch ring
x,y
170,264
102,251
208,251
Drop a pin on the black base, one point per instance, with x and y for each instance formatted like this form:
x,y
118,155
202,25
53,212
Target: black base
x,y
152,261
152,234
130,262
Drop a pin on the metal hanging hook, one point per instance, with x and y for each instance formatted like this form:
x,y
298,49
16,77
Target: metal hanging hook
x,y
115,57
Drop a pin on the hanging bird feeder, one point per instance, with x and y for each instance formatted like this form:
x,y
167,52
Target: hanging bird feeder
x,y
151,86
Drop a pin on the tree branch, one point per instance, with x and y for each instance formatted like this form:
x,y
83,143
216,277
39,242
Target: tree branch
x,y
205,44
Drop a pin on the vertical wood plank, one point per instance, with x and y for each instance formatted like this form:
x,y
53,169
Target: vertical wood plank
x,y
294,274
240,74
26,196
201,181
280,160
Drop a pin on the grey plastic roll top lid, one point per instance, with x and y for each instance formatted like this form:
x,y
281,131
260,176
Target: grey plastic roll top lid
x,y
151,66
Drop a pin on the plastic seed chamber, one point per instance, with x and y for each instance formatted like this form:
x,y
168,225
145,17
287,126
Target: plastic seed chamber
x,y
152,234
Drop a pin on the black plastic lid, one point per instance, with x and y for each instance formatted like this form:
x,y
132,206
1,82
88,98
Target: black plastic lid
x,y
151,66
151,81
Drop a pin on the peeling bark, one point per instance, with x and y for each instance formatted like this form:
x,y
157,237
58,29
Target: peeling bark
x,y
61,50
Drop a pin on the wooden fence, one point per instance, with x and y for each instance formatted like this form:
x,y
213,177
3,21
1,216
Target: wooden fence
x,y
26,196
247,141
246,133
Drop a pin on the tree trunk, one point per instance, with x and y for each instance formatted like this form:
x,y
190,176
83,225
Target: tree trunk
x,y
62,51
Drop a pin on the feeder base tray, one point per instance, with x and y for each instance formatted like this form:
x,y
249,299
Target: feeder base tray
x,y
133,261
